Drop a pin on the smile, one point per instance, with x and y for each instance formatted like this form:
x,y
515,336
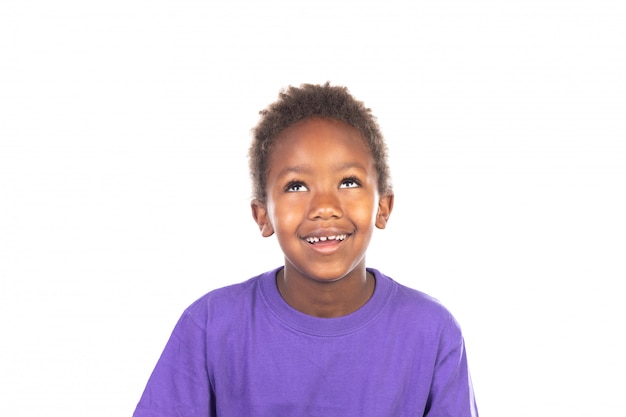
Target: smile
x,y
316,239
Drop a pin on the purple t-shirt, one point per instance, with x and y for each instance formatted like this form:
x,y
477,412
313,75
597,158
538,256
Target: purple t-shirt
x,y
243,351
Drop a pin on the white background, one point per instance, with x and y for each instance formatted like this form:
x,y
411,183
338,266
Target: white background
x,y
124,192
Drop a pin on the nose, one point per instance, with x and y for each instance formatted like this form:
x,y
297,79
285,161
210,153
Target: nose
x,y
325,205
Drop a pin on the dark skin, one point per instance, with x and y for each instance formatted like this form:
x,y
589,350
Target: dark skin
x,y
323,205
328,300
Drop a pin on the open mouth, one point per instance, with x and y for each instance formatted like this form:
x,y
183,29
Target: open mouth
x,y
317,239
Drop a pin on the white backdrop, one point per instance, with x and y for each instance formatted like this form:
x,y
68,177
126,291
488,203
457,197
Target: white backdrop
x,y
124,191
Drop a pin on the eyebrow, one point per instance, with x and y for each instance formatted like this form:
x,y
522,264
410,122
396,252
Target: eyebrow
x,y
307,169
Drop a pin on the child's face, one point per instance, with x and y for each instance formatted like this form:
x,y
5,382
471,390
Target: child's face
x,y
322,199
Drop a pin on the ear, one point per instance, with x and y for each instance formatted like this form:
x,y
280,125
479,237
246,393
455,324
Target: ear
x,y
259,214
385,205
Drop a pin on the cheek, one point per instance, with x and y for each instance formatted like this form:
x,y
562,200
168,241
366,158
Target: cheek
x,y
286,215
362,212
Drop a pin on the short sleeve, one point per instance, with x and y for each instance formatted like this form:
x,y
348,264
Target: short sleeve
x,y
452,394
179,385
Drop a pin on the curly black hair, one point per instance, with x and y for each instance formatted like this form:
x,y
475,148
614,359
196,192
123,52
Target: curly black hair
x,y
295,104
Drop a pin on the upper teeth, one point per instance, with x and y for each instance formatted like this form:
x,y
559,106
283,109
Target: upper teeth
x,y
324,238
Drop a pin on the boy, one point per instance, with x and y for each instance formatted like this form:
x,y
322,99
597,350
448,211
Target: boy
x,y
322,335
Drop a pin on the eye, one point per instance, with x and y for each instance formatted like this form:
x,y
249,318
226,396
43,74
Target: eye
x,y
350,182
295,186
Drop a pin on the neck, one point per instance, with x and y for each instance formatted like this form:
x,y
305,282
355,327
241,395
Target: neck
x,y
326,299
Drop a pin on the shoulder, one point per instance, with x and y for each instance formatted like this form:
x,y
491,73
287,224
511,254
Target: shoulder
x,y
407,298
226,304
416,308
226,295
411,298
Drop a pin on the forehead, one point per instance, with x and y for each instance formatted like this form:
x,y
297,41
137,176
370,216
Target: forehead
x,y
322,139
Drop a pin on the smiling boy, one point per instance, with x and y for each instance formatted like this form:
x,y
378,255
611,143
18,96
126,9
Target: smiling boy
x,y
323,207
322,335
